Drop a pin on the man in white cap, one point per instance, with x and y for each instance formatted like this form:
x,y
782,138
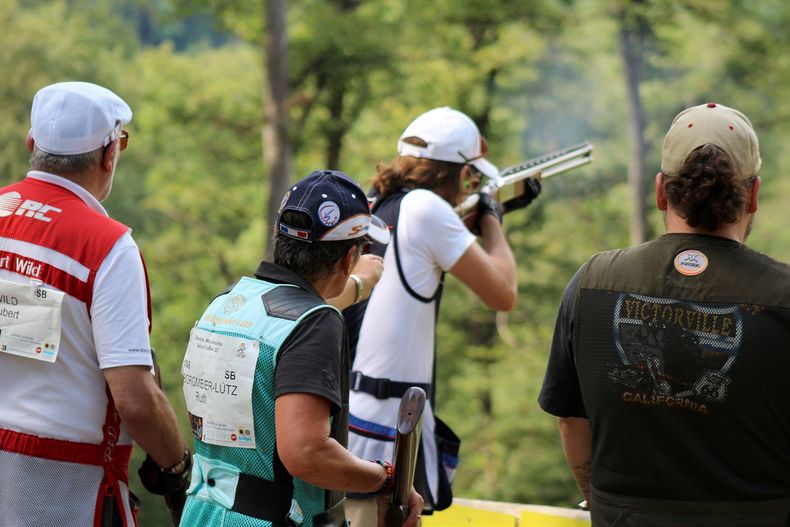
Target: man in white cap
x,y
441,156
668,370
75,357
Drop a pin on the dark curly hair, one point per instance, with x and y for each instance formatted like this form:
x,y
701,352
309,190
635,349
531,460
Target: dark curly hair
x,y
706,192
310,260
409,172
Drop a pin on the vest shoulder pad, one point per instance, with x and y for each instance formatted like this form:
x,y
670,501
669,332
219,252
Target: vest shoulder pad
x,y
289,303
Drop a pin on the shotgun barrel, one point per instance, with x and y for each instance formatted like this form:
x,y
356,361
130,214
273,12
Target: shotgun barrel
x,y
404,460
510,182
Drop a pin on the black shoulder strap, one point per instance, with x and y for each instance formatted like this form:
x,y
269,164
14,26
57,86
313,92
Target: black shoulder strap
x,y
388,210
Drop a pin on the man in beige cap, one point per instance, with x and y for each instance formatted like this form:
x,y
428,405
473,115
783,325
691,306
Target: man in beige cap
x,y
75,357
668,367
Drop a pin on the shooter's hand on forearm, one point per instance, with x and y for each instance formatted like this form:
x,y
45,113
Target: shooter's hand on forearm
x,y
532,188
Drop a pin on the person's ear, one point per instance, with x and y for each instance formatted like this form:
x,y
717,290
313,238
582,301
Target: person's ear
x,y
349,260
661,199
753,204
30,143
108,156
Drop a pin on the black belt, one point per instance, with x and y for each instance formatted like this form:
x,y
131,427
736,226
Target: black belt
x,y
262,499
266,500
383,388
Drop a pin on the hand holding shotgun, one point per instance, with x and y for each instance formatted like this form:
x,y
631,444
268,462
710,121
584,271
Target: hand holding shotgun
x,y
517,186
170,483
405,505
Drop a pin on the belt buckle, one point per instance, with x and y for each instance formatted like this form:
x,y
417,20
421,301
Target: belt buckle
x,y
356,380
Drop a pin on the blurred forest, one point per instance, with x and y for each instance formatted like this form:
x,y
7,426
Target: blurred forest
x,y
536,75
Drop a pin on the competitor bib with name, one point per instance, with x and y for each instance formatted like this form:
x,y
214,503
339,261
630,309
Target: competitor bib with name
x,y
30,320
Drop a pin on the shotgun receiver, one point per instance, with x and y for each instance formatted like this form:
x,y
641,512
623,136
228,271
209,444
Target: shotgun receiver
x,y
404,459
510,182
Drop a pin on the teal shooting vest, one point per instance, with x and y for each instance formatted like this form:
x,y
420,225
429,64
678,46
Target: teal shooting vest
x,y
249,487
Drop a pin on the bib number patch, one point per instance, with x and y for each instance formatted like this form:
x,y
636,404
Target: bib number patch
x,y
219,371
30,320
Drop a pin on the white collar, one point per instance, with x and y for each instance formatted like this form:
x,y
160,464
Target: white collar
x,y
60,181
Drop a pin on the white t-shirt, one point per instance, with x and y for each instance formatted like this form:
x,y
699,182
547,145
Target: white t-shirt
x,y
66,399
396,339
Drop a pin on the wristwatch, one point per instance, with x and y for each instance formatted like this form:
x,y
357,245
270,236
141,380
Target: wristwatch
x,y
179,467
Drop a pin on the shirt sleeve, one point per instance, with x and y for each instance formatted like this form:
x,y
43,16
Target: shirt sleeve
x,y
442,232
309,359
119,309
561,394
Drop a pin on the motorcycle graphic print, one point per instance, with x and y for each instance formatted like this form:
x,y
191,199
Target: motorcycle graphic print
x,y
672,352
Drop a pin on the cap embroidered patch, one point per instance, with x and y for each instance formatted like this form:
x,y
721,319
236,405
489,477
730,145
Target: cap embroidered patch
x,y
691,262
283,202
329,213
300,234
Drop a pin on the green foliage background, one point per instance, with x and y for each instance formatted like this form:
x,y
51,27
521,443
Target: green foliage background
x,y
545,75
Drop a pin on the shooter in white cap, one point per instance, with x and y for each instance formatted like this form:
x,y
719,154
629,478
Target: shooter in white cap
x,y
441,159
75,356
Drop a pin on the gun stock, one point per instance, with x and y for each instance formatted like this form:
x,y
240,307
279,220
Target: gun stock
x,y
510,182
407,443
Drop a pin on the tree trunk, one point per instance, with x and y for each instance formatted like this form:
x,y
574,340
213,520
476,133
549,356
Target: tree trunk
x,y
336,131
277,152
632,46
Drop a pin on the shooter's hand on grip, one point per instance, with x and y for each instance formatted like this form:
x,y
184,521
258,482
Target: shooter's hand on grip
x,y
532,188
171,483
389,516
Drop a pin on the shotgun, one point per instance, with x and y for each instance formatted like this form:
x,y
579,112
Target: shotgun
x,y
510,182
404,459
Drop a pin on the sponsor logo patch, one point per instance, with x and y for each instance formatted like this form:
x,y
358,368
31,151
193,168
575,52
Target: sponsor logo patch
x,y
691,262
284,201
329,213
233,304
11,203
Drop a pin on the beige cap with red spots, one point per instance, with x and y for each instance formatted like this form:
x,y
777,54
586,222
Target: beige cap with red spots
x,y
713,124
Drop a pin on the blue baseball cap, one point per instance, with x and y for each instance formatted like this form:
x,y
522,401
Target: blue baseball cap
x,y
337,206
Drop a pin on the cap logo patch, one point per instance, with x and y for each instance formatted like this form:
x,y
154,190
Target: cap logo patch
x,y
294,233
329,213
691,262
356,229
284,201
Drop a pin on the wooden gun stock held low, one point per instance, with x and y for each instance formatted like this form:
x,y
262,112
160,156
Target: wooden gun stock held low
x,y
407,443
510,182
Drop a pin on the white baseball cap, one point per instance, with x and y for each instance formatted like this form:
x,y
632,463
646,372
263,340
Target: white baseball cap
x,y
71,118
451,136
